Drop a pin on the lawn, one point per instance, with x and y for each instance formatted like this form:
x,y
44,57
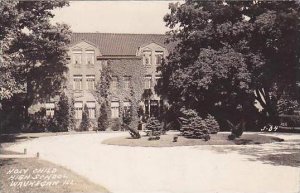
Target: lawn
x,y
41,176
216,139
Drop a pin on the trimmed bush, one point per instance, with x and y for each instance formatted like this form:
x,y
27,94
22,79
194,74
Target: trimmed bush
x,y
85,122
211,124
193,126
154,126
116,124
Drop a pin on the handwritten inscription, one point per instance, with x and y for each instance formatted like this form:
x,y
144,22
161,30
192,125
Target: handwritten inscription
x,y
38,177
270,128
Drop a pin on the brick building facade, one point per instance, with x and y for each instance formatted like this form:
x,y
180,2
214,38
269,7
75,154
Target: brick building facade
x,y
133,60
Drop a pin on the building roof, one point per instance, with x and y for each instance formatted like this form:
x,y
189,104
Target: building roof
x,y
112,44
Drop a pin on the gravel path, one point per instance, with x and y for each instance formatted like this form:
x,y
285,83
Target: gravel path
x,y
193,169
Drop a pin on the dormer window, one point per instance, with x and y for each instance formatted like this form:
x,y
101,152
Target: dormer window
x,y
90,57
77,58
147,58
159,55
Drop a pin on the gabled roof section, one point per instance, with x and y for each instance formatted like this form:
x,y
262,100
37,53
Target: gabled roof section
x,y
112,44
82,40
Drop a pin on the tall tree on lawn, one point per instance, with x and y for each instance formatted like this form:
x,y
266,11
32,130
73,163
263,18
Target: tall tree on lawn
x,y
230,54
33,50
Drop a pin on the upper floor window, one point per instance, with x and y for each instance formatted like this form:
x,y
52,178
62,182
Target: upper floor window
x,y
90,57
147,58
77,82
147,81
127,108
115,111
78,110
77,57
114,83
127,82
158,79
90,82
91,105
50,107
159,55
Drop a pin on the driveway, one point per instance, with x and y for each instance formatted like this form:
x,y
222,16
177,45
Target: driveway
x,y
194,169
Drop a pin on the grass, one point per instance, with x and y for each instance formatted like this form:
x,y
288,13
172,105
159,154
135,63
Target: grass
x,y
216,139
79,184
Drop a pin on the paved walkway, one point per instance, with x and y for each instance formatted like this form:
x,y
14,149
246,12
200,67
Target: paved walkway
x,y
193,169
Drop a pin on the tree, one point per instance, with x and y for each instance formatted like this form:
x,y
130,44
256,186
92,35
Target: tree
x,y
103,117
229,54
63,114
85,122
102,91
72,119
34,51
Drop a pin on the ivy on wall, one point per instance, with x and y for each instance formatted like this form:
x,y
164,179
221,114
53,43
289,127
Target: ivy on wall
x,y
122,69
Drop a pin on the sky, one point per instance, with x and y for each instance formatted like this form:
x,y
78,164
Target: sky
x,y
114,16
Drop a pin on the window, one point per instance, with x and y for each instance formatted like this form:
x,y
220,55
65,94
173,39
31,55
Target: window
x,y
159,57
115,105
78,110
90,57
147,58
147,81
77,82
158,79
77,55
127,82
126,106
153,108
114,83
90,82
50,106
91,105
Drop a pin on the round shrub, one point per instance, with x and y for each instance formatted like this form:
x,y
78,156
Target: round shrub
x,y
116,124
154,126
211,124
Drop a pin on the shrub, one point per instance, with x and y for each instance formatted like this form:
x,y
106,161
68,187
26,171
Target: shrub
x,y
193,126
85,122
116,124
52,124
103,118
211,124
154,126
290,120
38,122
237,130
